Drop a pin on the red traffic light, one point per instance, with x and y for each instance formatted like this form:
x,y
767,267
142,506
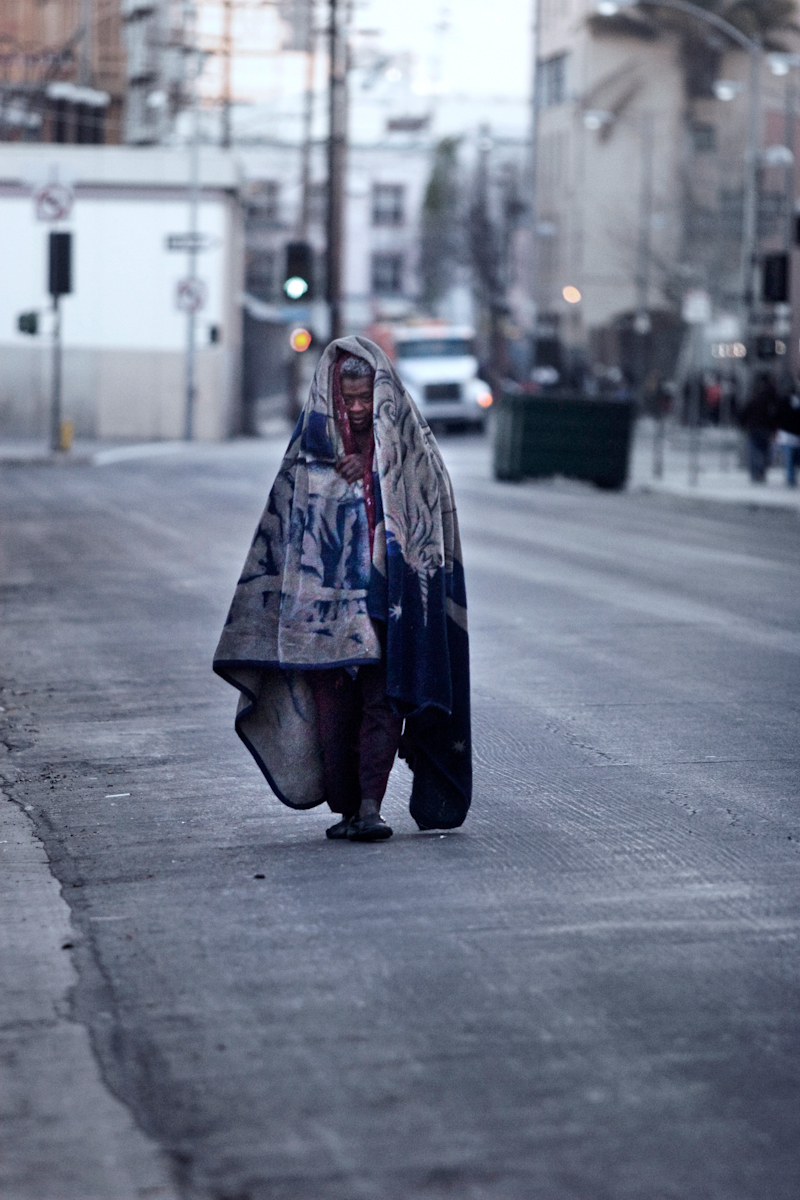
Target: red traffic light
x,y
300,340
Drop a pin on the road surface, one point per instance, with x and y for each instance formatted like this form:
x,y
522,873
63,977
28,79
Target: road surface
x,y
589,992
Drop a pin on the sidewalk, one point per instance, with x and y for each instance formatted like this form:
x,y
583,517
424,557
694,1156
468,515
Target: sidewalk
x,y
96,453
720,476
84,452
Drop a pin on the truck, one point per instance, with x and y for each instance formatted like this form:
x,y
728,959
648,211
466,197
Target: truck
x,y
438,366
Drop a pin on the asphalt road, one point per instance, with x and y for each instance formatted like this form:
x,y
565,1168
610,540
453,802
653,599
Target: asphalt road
x,y
589,992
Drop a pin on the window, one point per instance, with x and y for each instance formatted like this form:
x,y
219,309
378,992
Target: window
x,y
388,202
704,138
436,348
260,279
552,81
264,201
318,203
387,274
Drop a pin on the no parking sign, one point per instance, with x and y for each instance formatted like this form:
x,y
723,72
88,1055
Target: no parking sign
x,y
191,294
53,201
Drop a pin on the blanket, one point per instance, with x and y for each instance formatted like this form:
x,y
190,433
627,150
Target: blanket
x,y
314,594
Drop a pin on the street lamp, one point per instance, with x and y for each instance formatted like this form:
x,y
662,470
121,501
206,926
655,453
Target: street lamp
x,y
781,64
595,119
609,8
727,89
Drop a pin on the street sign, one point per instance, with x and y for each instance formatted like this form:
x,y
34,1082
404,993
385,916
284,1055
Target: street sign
x,y
191,242
191,294
53,201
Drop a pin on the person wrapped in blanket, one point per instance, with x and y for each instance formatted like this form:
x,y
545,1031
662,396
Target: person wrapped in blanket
x,y
348,628
359,731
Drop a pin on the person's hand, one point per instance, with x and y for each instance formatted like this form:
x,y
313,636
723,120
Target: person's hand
x,y
351,467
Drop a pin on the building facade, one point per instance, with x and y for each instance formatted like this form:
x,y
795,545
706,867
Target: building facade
x,y
62,71
641,166
385,186
124,336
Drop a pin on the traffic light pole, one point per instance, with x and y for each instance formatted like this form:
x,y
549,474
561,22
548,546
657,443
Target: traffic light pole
x,y
59,283
337,150
55,393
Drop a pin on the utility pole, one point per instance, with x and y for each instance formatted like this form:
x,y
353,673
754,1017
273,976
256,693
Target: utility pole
x,y
789,217
337,151
227,52
750,218
533,177
194,205
641,323
294,369
86,52
308,122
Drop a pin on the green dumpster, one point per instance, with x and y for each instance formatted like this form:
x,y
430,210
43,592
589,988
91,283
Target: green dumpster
x,y
576,436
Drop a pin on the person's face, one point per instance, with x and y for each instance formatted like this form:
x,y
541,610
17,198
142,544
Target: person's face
x,y
357,397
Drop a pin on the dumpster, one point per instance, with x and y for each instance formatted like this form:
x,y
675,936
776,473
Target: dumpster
x,y
563,434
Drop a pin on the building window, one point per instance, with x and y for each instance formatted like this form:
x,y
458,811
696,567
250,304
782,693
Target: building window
x,y
318,203
387,274
552,81
704,138
264,202
261,272
388,202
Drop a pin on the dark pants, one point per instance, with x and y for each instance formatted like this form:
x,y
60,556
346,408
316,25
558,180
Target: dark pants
x,y
359,734
758,443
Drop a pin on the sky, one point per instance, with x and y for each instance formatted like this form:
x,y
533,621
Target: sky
x,y
484,49
415,56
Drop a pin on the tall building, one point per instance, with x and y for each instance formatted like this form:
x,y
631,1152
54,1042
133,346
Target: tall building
x,y
641,164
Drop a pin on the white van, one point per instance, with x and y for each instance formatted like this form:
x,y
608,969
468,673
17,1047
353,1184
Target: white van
x,y
437,364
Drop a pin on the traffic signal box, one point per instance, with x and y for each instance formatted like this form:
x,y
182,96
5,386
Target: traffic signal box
x,y
60,264
298,279
775,281
28,322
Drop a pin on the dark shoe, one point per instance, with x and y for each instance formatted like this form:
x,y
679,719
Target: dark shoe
x,y
340,829
372,828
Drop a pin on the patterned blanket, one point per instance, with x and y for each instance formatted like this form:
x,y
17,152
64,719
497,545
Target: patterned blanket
x,y
310,592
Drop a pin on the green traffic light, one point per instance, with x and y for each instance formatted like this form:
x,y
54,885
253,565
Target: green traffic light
x,y
295,287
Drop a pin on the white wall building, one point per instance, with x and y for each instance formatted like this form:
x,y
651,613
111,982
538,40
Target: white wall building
x,y
123,336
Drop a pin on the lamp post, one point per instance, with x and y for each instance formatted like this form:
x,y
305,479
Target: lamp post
x,y
783,65
609,8
533,178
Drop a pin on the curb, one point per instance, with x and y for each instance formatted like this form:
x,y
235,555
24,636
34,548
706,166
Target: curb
x,y
774,501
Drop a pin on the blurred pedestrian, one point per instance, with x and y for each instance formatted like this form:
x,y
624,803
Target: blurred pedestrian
x,y
759,418
712,397
789,445
348,626
788,438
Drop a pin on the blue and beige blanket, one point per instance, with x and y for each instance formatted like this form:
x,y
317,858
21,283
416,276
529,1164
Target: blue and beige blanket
x,y
311,596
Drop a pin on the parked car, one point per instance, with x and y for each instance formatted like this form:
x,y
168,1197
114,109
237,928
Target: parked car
x,y
437,364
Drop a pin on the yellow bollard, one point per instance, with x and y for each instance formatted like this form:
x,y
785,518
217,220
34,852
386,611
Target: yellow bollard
x,y
67,434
